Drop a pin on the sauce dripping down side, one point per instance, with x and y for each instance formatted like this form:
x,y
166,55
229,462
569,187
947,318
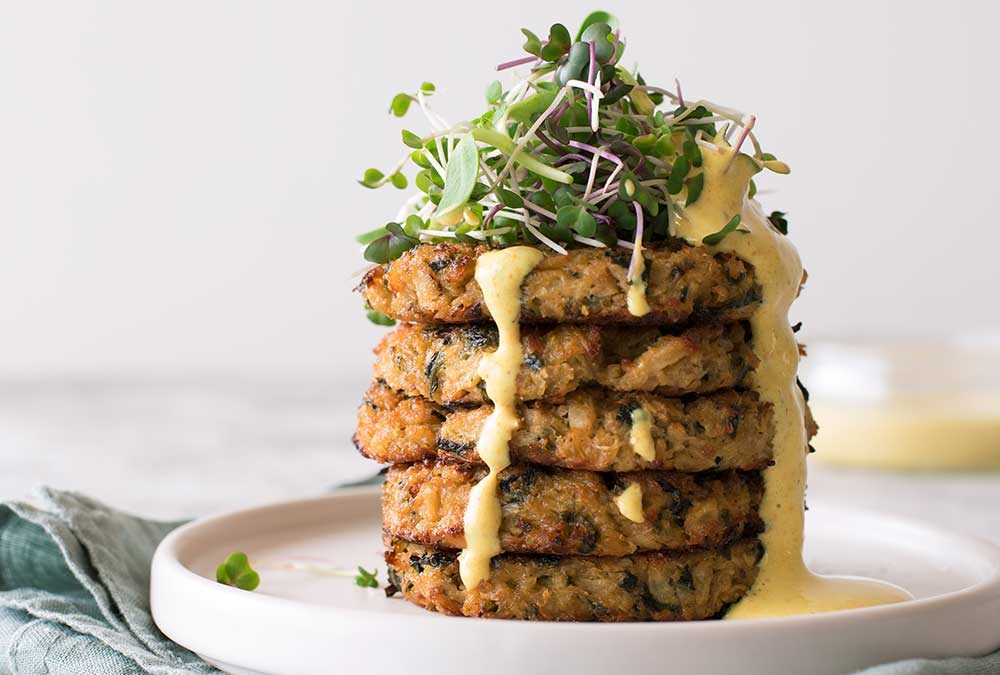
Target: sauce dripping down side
x,y
499,274
785,585
629,503
636,302
641,436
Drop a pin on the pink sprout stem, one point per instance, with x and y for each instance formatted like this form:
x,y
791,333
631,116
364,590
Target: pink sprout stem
x,y
516,62
591,76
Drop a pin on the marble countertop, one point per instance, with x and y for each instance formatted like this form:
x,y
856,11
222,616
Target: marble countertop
x,y
186,446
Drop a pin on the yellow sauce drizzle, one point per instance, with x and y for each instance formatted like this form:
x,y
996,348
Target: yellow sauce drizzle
x,y
641,435
630,503
637,303
499,275
785,585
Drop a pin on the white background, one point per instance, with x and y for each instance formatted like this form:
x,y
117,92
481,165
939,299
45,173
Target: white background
x,y
177,178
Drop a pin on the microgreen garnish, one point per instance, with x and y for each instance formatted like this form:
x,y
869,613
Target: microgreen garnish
x,y
366,579
715,238
576,151
377,317
390,245
236,572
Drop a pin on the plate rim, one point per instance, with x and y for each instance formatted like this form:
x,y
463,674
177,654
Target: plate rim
x,y
166,561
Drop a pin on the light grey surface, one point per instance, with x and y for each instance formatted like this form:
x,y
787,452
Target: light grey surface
x,y
190,446
178,178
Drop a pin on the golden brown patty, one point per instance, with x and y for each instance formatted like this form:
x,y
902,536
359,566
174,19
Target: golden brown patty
x,y
588,430
435,283
683,586
441,364
564,512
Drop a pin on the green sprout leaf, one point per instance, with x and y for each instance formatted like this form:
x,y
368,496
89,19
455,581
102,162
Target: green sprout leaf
x,y
576,65
715,238
413,225
692,152
236,572
677,174
599,33
597,17
694,186
776,166
390,246
373,178
371,235
527,110
493,92
557,44
377,317
459,177
401,104
411,140
532,44
576,218
427,88
398,180
779,221
510,199
366,579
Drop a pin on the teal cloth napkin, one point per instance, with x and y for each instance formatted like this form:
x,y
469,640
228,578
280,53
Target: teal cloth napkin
x,y
74,591
74,596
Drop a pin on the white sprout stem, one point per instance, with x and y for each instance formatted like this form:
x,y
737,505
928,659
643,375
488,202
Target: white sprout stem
x,y
660,90
739,141
437,233
596,104
426,210
538,209
545,240
503,143
693,121
584,86
481,235
434,162
625,243
437,122
588,241
612,176
409,206
592,175
530,133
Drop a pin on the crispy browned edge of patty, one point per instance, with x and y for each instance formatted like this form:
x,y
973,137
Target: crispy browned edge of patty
x,y
567,512
435,283
589,429
678,586
441,364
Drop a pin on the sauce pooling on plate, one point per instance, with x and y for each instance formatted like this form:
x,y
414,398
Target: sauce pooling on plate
x,y
499,274
785,585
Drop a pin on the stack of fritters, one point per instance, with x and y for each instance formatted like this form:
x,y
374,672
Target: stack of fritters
x,y
569,551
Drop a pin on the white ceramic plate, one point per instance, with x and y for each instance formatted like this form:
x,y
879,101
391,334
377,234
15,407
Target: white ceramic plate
x,y
299,621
